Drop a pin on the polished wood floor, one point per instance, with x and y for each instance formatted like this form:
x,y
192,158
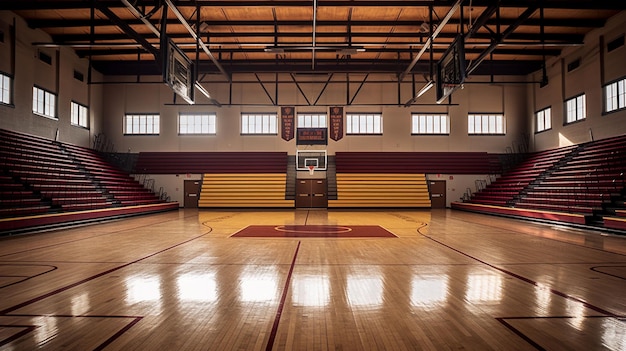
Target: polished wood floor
x,y
177,281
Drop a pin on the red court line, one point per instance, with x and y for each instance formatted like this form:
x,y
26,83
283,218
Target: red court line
x,y
27,329
80,282
527,280
314,231
281,305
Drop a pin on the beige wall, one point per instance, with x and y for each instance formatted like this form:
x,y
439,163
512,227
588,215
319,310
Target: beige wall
x,y
504,96
585,79
57,78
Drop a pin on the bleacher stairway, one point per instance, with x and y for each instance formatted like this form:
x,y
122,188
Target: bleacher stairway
x,y
581,184
50,180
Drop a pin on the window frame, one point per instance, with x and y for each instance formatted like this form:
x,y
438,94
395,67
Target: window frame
x,y
621,105
80,107
312,115
416,123
139,115
6,87
488,123
270,129
40,107
360,115
211,123
542,112
576,109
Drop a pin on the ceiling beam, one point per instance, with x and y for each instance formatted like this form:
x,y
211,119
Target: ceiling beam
x,y
555,22
80,4
507,32
504,67
96,52
532,37
128,30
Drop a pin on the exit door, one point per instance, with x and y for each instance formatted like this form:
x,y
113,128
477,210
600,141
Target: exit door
x,y
192,191
437,193
311,193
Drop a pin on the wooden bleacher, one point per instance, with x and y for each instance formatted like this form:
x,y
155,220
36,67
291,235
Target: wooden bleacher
x,y
44,182
244,190
381,190
582,184
230,179
398,179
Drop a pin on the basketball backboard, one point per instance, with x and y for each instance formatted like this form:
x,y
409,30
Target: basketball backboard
x,y
308,158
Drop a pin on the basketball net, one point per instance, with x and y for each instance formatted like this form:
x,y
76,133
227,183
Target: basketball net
x,y
311,169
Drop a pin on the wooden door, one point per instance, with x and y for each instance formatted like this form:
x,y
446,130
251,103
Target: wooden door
x,y
311,193
319,198
437,193
192,193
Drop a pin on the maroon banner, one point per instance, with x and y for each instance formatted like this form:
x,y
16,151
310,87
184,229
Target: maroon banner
x,y
287,120
336,123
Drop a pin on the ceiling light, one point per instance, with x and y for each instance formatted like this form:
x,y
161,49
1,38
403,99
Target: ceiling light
x,y
275,50
345,50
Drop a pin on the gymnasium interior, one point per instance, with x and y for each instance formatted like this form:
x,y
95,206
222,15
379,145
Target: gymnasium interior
x,y
312,175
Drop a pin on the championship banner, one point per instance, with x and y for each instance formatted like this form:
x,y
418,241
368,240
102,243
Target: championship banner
x,y
336,123
287,120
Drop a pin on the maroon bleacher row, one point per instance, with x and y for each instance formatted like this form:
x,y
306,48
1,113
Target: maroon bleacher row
x,y
40,176
587,179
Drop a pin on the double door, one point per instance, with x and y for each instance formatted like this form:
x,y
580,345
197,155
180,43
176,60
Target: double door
x,y
311,193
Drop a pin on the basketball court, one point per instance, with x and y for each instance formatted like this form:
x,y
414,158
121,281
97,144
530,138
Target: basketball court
x,y
187,280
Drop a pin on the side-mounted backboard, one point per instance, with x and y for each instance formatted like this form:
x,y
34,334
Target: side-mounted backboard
x,y
178,72
450,69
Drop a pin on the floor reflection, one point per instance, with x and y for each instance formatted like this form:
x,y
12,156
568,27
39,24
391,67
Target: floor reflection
x,y
429,291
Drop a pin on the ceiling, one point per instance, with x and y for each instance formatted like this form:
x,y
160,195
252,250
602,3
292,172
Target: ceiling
x,y
399,37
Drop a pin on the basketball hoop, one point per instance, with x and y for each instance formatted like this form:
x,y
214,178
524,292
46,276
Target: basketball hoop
x,y
311,169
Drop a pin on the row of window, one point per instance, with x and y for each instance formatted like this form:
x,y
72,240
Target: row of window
x,y
44,103
576,110
356,123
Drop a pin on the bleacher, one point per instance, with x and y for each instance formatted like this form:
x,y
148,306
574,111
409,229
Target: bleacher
x,y
582,184
230,179
48,180
381,190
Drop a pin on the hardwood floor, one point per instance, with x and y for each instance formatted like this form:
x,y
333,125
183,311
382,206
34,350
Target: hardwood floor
x,y
177,281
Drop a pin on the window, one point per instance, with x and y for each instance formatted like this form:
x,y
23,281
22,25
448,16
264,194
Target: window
x,y
544,119
5,89
141,124
79,76
311,120
430,124
259,123
44,103
79,115
364,123
575,109
196,123
615,43
485,124
615,95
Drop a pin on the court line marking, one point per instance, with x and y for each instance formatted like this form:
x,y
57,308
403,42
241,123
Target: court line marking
x,y
529,281
120,332
87,238
283,298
